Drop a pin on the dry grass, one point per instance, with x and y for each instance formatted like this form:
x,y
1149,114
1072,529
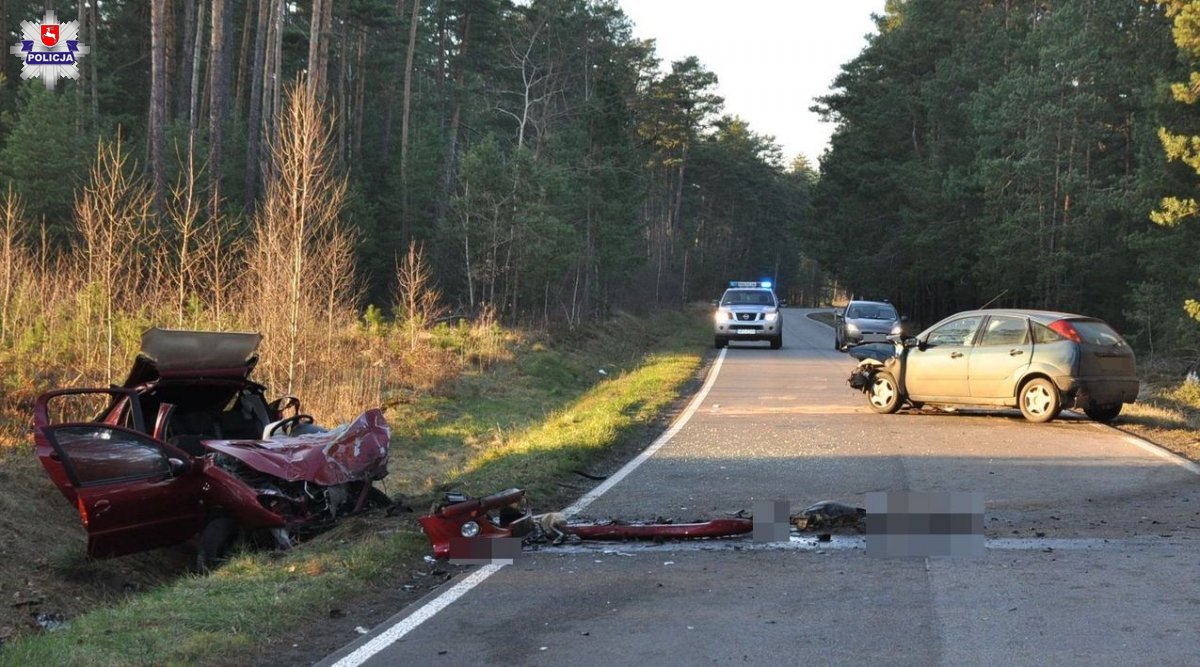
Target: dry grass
x,y
1167,414
74,317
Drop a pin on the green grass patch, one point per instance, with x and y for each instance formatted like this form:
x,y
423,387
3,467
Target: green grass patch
x,y
527,423
551,411
202,619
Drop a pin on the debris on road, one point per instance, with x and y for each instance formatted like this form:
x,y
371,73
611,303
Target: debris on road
x,y
506,515
456,526
828,514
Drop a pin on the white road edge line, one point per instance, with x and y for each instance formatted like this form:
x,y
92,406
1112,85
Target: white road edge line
x,y
589,497
1154,449
409,623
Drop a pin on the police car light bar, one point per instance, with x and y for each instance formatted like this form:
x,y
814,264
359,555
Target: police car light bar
x,y
750,283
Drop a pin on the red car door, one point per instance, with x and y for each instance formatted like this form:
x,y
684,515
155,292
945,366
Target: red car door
x,y
130,494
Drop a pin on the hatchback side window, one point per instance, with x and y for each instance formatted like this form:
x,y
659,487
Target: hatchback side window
x,y
1044,334
957,332
1003,330
96,454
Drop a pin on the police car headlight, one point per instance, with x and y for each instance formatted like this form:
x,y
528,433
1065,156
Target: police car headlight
x,y
896,330
723,315
850,328
771,317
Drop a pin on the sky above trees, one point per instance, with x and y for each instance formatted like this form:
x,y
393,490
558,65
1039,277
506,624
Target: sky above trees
x,y
771,57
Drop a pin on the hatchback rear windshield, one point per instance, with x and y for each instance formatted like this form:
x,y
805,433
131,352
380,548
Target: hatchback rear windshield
x,y
748,297
1094,332
871,311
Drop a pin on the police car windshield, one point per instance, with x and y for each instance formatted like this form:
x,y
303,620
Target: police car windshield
x,y
748,297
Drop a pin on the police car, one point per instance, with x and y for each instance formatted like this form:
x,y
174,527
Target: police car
x,y
748,311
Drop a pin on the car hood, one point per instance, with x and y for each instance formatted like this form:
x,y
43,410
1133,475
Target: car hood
x,y
880,352
354,451
177,353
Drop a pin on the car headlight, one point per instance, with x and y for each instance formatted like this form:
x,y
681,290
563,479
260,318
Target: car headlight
x,y
896,330
850,328
723,315
771,317
470,529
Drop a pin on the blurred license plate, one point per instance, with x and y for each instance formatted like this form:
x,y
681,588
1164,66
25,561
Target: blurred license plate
x,y
746,331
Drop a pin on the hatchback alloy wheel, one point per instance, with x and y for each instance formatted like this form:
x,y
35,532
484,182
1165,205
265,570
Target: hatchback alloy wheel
x,y
1040,401
884,396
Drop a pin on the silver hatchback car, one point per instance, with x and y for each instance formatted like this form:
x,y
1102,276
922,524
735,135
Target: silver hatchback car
x,y
748,311
1038,361
864,322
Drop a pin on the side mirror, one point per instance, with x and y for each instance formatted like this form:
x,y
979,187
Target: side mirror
x,y
911,341
782,303
178,466
715,303
839,314
904,318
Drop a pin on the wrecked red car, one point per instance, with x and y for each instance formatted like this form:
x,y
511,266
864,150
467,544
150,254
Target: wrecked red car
x,y
189,448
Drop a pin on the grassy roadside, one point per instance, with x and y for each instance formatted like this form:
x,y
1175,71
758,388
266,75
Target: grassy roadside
x,y
1167,413
528,423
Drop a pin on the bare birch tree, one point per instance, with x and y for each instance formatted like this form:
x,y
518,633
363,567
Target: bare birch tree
x,y
12,253
418,302
112,213
298,234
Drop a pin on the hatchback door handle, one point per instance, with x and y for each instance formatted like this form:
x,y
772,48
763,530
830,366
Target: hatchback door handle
x,y
955,355
1013,353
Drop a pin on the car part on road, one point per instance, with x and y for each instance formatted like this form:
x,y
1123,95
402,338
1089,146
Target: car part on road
x,y
620,530
506,514
460,517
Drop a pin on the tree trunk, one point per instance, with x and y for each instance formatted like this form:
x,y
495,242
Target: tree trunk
x,y
343,102
218,87
158,102
318,47
4,66
184,85
243,62
272,74
92,36
254,122
407,106
82,17
360,96
452,139
170,57
389,97
268,82
197,56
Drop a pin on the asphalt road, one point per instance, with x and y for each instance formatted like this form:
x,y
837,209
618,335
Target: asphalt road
x,y
1092,544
